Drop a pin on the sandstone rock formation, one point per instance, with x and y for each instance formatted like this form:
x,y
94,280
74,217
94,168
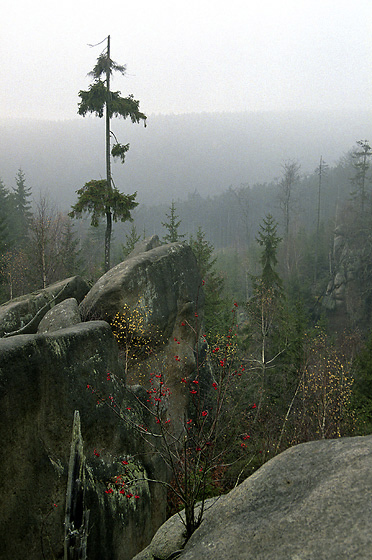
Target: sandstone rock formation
x,y
162,282
162,288
311,502
145,245
46,381
348,299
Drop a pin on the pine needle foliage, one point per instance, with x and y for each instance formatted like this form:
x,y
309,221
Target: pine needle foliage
x,y
268,239
94,99
97,199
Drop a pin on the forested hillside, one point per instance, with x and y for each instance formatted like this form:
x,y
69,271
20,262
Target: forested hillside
x,y
292,258
308,207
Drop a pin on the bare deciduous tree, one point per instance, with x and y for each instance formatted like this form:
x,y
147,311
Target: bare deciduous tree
x,y
45,236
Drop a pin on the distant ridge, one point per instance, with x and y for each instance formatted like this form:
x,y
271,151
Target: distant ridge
x,y
176,154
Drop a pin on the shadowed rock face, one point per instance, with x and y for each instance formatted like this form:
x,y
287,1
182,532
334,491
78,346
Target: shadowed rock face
x,y
43,380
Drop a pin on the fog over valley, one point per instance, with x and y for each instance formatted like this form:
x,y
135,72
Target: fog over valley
x,y
176,154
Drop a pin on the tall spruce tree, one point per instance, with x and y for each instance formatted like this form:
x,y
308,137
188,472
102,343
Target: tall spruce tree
x,y
265,308
269,240
99,200
100,100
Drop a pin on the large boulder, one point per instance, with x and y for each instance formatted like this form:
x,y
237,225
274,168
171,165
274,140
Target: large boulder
x,y
61,316
311,502
17,313
50,379
162,282
159,292
170,538
44,379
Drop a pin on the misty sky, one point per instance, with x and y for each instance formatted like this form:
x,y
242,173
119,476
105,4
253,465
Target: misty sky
x,y
191,56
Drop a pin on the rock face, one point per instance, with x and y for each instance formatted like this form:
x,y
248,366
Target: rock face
x,y
169,540
161,282
311,502
43,381
347,299
145,245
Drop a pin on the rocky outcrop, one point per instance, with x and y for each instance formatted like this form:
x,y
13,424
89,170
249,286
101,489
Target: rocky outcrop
x,y
348,297
145,245
28,310
170,539
43,381
311,502
162,283
50,378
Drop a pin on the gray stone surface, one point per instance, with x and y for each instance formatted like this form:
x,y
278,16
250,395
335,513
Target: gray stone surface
x,y
161,282
171,536
18,312
145,245
312,502
65,314
43,381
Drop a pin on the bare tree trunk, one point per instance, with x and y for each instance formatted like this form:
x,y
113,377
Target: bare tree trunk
x,y
108,161
108,239
43,264
76,516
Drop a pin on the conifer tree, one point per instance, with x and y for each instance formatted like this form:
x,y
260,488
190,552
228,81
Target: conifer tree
x,y
100,100
269,240
213,282
22,208
172,226
100,201
131,239
265,308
